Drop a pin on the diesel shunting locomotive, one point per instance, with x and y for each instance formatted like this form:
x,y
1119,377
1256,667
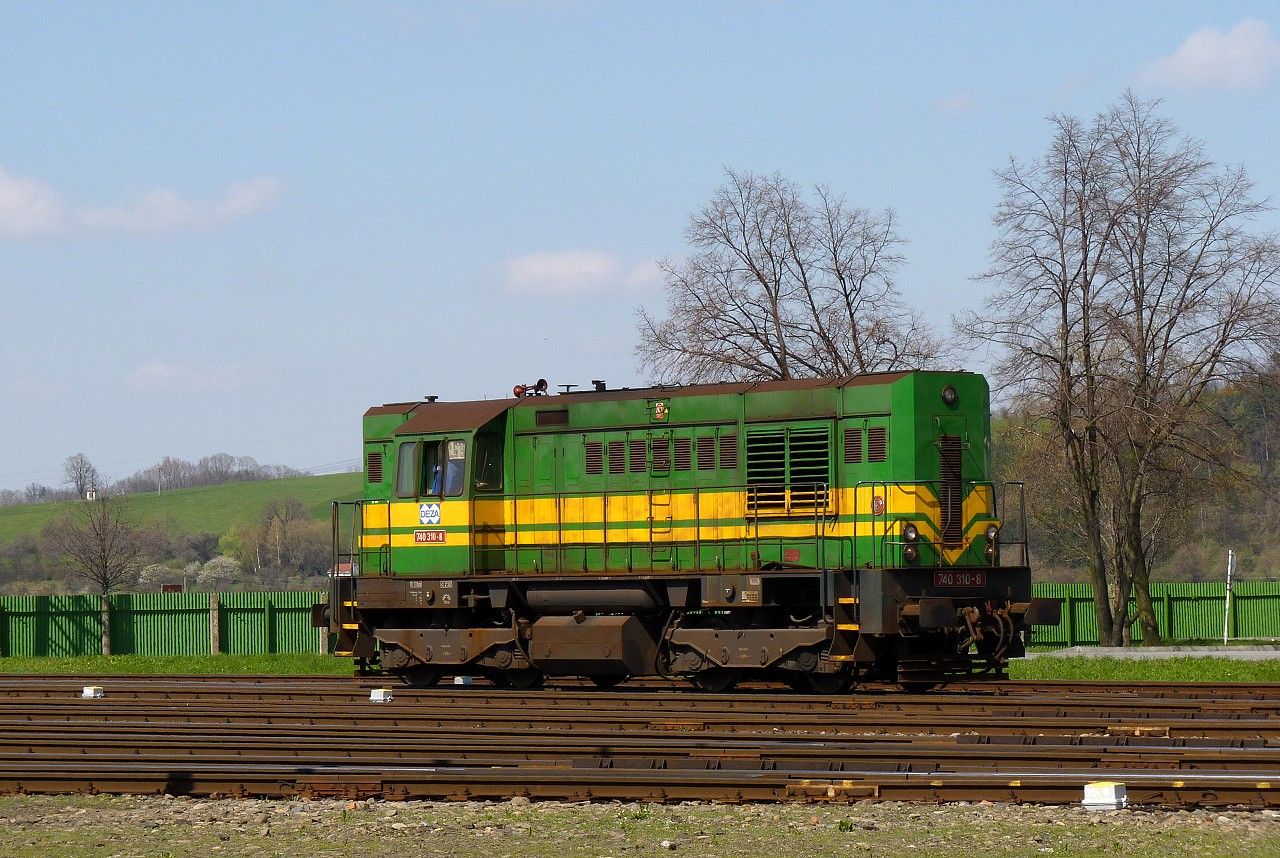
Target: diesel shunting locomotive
x,y
820,532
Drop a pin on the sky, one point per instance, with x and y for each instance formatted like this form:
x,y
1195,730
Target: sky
x,y
234,226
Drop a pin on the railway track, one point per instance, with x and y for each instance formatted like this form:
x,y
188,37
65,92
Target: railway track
x,y
321,736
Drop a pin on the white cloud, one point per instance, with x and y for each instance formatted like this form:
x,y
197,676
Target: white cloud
x,y
956,104
646,275
248,198
576,272
1243,59
562,272
154,211
164,210
184,377
28,207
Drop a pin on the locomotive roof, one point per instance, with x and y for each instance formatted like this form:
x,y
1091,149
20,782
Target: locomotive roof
x,y
429,417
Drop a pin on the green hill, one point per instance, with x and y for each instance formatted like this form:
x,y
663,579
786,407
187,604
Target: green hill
x,y
211,509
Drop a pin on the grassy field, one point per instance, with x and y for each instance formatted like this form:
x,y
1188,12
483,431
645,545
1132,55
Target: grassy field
x,y
96,665
1084,669
210,509
1189,669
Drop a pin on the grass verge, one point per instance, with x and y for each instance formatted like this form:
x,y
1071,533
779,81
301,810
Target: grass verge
x,y
1189,669
94,665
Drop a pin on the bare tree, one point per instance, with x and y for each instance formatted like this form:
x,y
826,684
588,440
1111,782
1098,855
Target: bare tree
x,y
98,542
783,287
1128,287
80,474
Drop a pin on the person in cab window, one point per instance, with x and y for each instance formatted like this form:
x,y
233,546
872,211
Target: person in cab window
x,y
455,468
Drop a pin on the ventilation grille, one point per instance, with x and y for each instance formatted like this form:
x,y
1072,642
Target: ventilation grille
x,y
949,490
706,454
767,471
684,454
729,452
595,457
617,460
373,467
877,444
852,446
809,463
637,454
661,455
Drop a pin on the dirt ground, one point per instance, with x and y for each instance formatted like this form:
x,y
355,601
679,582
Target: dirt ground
x,y
47,826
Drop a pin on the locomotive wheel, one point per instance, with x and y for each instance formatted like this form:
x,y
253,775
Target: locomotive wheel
x,y
715,680
520,680
420,676
827,683
608,680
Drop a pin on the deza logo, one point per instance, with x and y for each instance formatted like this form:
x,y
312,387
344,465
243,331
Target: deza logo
x,y
429,513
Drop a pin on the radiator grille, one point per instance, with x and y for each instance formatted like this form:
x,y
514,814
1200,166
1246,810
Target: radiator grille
x,y
617,458
950,489
809,464
373,467
767,471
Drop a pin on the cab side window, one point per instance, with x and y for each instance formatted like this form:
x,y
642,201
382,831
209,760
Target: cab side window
x,y
407,470
488,463
455,468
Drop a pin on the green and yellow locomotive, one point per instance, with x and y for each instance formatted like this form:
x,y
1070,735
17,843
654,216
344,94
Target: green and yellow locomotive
x,y
821,532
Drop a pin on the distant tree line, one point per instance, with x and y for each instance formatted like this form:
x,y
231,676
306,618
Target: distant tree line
x,y
81,476
100,547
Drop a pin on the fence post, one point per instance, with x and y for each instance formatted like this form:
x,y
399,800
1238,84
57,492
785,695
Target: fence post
x,y
1071,620
1168,611
215,642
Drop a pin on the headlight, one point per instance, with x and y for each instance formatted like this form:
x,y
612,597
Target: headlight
x,y
911,553
910,533
992,532
949,395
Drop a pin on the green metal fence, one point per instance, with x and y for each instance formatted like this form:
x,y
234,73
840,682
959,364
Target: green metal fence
x,y
160,624
1184,611
280,622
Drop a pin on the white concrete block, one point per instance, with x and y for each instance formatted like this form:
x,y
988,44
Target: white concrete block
x,y
381,695
91,692
1105,795
464,680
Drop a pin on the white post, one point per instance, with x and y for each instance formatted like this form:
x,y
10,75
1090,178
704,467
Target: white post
x,y
1226,608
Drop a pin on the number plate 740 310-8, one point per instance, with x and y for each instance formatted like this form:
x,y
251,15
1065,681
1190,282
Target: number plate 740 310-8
x,y
957,578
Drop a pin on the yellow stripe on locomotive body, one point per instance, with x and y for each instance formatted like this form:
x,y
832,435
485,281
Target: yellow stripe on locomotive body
x,y
708,517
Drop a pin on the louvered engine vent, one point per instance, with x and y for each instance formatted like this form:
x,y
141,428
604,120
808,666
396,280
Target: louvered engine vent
x,y
729,452
637,455
373,467
852,446
684,454
595,457
877,444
